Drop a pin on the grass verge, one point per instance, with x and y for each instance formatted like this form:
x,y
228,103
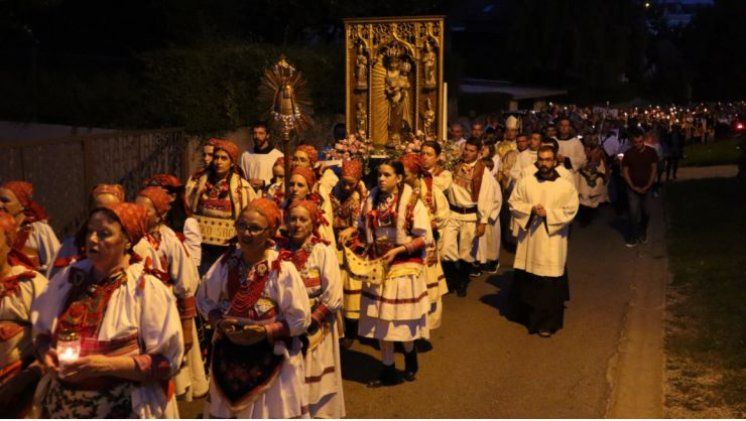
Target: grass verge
x,y
721,152
706,330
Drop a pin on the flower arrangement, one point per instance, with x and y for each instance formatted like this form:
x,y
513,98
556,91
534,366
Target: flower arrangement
x,y
356,147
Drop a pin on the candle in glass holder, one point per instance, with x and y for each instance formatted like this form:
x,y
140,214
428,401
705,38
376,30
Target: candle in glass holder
x,y
68,348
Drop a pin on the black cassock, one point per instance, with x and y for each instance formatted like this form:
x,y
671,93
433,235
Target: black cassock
x,y
539,301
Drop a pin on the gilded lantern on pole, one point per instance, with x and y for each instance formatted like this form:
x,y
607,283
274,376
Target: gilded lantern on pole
x,y
394,77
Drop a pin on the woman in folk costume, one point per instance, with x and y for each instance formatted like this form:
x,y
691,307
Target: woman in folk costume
x,y
73,247
179,217
276,189
216,198
347,200
437,207
124,322
318,266
174,268
259,306
35,238
397,229
307,156
303,186
19,288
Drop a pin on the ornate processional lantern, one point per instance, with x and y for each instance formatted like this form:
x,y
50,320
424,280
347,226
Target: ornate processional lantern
x,y
283,87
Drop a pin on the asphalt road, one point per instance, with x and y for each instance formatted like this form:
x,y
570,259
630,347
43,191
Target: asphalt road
x,y
483,365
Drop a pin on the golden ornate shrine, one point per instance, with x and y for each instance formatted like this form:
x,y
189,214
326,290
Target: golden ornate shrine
x,y
394,78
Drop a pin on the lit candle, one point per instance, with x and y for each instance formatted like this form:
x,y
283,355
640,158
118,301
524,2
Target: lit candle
x,y
68,348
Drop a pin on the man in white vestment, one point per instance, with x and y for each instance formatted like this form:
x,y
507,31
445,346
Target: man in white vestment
x,y
571,150
543,206
257,164
470,199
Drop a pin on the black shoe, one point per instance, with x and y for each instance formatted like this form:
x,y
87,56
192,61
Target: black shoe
x,y
410,365
492,266
423,345
475,271
346,343
644,238
461,291
387,377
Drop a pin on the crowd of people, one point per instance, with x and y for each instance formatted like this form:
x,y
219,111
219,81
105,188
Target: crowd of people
x,y
243,282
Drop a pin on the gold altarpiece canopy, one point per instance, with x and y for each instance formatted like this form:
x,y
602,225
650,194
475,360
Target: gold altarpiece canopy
x,y
394,77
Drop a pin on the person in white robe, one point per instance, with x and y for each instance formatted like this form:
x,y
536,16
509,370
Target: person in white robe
x,y
19,288
123,322
488,251
36,239
471,200
259,307
543,206
319,268
394,309
257,164
178,272
570,149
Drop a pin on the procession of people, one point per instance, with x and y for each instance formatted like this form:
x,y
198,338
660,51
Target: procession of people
x,y
244,284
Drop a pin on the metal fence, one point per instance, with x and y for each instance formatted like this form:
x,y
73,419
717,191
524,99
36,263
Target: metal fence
x,y
64,170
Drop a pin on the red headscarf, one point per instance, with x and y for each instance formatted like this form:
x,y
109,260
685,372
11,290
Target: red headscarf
x,y
229,147
159,196
313,210
279,162
306,173
115,190
9,227
412,162
24,191
133,218
167,181
267,208
309,150
352,168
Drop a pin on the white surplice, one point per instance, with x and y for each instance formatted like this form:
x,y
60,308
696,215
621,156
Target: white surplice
x,y
259,165
542,241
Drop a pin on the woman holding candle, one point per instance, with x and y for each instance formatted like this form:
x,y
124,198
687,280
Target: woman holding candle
x,y
174,268
318,266
396,229
124,321
73,247
259,306
19,288
35,238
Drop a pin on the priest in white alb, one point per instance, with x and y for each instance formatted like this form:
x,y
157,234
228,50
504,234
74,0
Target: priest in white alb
x,y
257,164
543,206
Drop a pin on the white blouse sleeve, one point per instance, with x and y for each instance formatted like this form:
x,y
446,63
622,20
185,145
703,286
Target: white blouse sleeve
x,y
193,240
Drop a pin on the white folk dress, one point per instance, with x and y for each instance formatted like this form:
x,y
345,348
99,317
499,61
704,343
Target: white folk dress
x,y
437,287
18,290
141,308
318,266
397,309
283,301
177,271
542,241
